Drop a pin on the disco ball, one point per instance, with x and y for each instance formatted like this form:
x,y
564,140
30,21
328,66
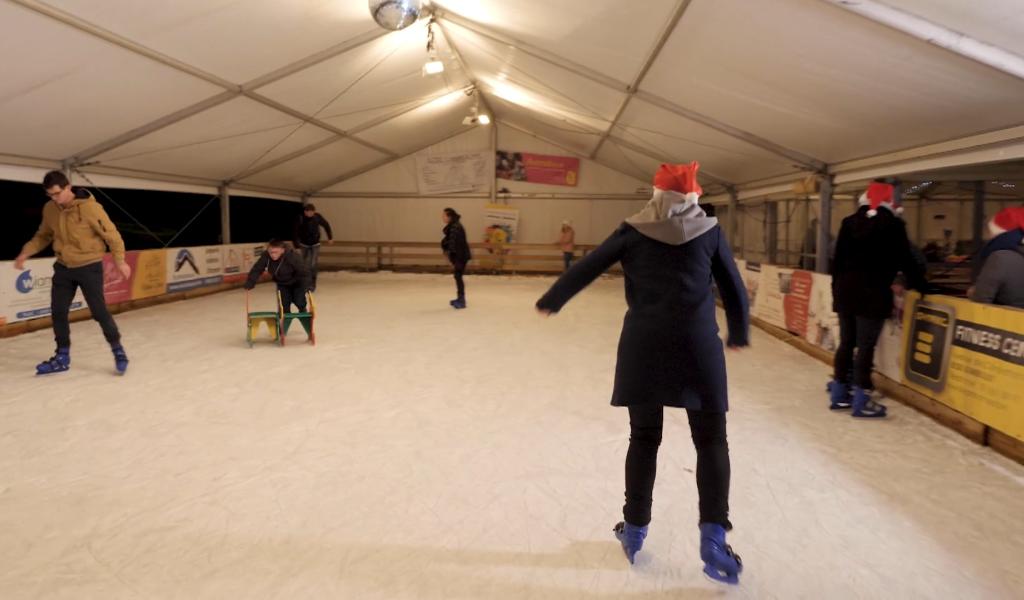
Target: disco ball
x,y
395,14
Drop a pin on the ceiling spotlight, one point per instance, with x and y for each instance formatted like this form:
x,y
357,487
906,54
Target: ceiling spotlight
x,y
434,65
475,117
484,119
395,14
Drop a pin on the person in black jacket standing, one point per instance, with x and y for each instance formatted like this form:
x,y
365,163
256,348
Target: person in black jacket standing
x,y
670,353
307,237
871,248
456,249
288,270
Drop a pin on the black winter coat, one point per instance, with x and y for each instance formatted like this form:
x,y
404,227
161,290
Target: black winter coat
x,y
669,351
307,229
288,271
454,244
869,253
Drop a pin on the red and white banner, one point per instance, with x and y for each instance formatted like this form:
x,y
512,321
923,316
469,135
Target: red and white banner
x,y
537,168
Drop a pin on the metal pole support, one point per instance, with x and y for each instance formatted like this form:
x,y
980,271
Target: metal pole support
x,y
824,246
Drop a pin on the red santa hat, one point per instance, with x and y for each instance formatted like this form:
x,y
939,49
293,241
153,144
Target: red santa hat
x,y
679,178
880,194
1007,219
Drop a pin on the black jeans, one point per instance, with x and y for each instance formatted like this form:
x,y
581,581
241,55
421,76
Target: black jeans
x,y
65,284
292,294
311,254
460,285
860,333
713,471
567,259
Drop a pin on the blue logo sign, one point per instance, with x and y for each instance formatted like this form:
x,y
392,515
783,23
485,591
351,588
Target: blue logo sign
x,y
25,283
185,258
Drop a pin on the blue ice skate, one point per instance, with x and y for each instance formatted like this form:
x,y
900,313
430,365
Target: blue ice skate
x,y
58,363
840,395
459,303
720,562
631,537
120,359
864,407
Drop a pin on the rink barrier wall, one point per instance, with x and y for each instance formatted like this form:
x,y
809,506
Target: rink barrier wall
x,y
960,362
427,257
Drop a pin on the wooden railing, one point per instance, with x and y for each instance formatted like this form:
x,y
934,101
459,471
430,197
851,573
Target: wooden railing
x,y
420,256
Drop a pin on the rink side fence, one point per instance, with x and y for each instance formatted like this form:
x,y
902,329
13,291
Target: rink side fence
x,y
172,274
960,362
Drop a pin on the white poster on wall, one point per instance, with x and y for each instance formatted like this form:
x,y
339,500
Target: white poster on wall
x,y
454,172
26,294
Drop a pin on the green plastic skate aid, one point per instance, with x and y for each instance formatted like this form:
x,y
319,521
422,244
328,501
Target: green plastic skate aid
x,y
306,319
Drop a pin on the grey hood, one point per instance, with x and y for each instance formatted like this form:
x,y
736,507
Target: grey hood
x,y
672,218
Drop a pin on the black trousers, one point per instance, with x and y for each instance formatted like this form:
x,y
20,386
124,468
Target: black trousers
x,y
311,254
292,294
66,282
713,471
860,333
460,285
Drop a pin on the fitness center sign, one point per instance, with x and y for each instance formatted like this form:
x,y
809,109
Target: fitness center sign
x,y
968,356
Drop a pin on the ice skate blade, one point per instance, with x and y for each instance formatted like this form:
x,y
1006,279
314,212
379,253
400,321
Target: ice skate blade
x,y
721,577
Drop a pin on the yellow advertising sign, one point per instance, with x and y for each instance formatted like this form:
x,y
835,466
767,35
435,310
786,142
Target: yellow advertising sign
x,y
150,274
968,356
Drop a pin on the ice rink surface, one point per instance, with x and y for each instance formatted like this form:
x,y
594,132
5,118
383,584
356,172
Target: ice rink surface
x,y
420,452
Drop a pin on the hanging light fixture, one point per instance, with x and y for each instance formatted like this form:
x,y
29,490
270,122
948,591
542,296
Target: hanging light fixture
x,y
434,65
395,14
475,117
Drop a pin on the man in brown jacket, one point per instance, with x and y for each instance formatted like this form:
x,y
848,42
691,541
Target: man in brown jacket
x,y
80,231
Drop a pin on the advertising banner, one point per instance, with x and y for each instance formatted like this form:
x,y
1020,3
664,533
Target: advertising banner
x,y
115,287
238,259
26,294
537,168
453,172
968,356
190,268
150,277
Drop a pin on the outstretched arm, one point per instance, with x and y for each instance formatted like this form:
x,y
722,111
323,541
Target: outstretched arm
x,y
326,226
257,270
733,292
584,272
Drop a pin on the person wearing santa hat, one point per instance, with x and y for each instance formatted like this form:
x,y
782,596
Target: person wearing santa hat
x,y
1000,278
872,247
669,352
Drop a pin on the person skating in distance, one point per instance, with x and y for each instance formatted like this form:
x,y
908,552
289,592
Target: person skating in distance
x,y
80,231
456,249
288,270
670,353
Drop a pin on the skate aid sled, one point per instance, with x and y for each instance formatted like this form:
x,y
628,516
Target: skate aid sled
x,y
305,319
271,319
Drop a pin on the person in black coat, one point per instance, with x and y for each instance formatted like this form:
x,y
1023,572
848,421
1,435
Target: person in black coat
x,y
307,237
456,250
871,248
670,353
288,270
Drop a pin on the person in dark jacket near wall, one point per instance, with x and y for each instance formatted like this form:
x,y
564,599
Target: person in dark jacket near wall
x,y
872,247
670,353
1000,277
289,271
307,237
456,249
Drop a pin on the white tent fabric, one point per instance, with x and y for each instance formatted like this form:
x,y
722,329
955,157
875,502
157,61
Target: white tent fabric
x,y
294,97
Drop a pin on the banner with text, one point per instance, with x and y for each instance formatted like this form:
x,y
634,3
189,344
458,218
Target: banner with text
x,y
25,294
968,356
190,268
453,172
537,168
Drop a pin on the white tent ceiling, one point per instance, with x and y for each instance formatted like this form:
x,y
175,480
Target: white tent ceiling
x,y
292,96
